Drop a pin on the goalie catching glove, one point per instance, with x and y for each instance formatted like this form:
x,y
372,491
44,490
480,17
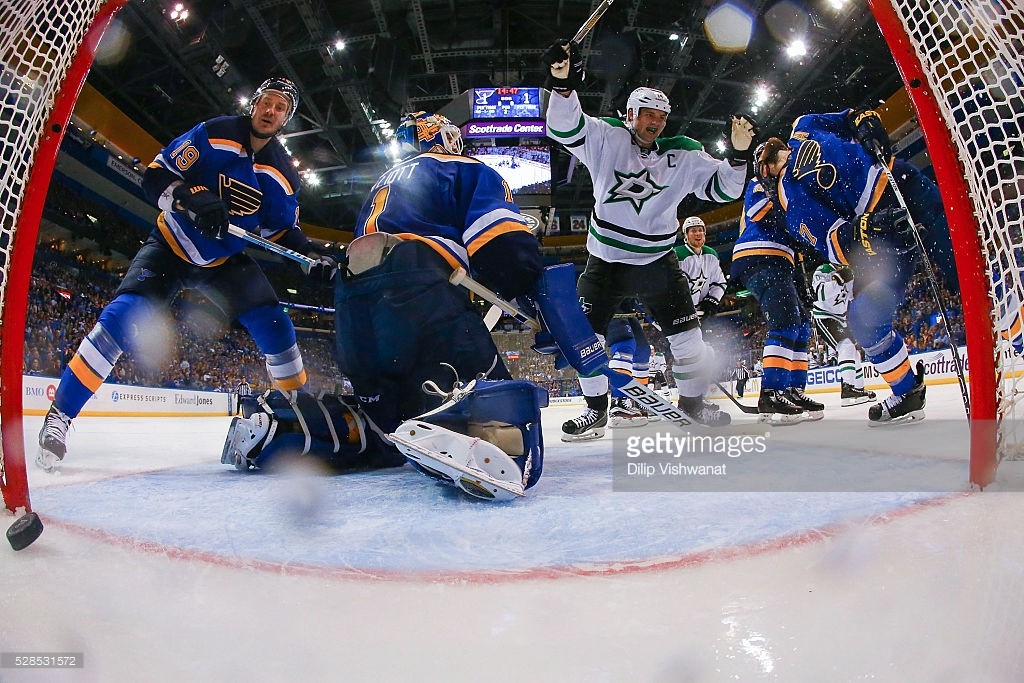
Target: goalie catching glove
x,y
565,64
204,208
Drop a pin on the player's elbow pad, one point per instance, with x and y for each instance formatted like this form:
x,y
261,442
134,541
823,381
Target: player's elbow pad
x,y
509,264
156,179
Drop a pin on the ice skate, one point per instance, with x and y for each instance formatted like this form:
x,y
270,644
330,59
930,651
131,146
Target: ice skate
x,y
900,409
52,439
245,439
815,409
776,407
625,413
703,412
589,425
852,396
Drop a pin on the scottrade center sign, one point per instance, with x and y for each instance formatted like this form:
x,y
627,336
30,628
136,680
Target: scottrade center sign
x,y
511,128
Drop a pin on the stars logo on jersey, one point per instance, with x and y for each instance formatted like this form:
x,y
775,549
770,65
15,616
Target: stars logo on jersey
x,y
635,188
697,284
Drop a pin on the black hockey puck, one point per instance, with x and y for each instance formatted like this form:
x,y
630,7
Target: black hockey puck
x,y
24,531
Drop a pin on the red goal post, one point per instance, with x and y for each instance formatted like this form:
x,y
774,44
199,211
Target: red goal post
x,y
46,50
961,63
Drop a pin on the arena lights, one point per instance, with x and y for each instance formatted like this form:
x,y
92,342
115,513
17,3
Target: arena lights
x,y
796,49
339,44
729,26
179,13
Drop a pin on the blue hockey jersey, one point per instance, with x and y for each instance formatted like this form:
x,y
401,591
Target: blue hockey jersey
x,y
455,204
828,181
762,228
260,189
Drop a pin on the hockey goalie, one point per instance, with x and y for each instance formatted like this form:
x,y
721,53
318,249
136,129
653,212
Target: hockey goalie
x,y
485,438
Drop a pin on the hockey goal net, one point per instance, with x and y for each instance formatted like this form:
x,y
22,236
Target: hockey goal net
x,y
962,63
46,49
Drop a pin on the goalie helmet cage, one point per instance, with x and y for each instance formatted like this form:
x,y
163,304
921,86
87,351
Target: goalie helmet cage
x,y
961,63
46,50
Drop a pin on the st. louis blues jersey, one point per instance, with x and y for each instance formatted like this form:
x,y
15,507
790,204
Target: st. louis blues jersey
x,y
259,189
636,192
763,232
455,204
829,180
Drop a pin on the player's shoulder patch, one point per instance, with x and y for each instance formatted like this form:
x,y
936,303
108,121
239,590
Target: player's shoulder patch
x,y
683,250
709,250
613,122
275,156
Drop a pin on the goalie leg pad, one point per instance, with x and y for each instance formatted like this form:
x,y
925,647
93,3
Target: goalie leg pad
x,y
469,463
561,314
505,413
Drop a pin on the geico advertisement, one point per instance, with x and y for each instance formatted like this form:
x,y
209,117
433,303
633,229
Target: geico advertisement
x,y
121,399
937,365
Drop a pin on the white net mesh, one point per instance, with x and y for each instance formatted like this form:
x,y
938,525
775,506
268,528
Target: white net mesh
x,y
971,52
38,40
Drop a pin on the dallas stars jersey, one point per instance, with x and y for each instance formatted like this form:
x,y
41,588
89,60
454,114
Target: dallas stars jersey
x,y
635,195
453,203
259,189
828,181
704,272
831,299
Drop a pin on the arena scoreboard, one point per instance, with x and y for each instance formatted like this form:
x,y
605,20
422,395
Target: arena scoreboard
x,y
506,103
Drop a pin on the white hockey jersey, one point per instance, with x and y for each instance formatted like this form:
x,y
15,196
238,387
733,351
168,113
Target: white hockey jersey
x,y
635,195
704,272
831,299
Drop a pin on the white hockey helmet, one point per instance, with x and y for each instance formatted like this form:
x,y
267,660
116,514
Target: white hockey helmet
x,y
650,98
693,222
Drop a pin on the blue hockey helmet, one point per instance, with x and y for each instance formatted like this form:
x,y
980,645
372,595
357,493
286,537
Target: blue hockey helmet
x,y
277,86
422,131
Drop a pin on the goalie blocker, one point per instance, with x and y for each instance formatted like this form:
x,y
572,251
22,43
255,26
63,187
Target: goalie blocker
x,y
485,439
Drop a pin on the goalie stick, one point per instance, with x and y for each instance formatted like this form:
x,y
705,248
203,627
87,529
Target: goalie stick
x,y
933,282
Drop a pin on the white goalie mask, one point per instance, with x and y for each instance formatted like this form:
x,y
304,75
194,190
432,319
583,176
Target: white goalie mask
x,y
650,98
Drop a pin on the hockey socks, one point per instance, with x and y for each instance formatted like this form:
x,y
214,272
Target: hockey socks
x,y
891,360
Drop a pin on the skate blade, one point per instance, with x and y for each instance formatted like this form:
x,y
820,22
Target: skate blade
x,y
847,402
780,420
592,435
47,461
914,416
627,422
813,415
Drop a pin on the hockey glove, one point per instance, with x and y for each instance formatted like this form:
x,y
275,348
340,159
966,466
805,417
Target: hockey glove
x,y
870,133
205,209
891,224
565,63
708,308
842,275
323,270
740,131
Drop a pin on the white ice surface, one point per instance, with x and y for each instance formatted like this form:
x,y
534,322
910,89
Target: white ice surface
x,y
160,564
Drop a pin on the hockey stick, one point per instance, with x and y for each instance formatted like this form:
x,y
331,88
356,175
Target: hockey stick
x,y
461,277
270,246
749,410
642,394
933,282
594,17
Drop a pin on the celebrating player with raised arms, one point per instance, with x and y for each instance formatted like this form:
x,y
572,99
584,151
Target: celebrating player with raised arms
x,y
837,200
639,178
228,169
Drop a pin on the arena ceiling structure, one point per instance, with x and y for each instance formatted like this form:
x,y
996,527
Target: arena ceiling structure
x,y
360,63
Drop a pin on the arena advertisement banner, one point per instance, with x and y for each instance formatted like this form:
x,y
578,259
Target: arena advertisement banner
x,y
127,401
505,128
939,368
